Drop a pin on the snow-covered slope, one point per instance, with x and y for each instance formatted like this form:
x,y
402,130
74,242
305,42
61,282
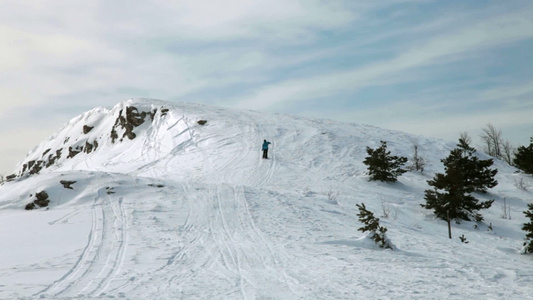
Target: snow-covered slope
x,y
165,208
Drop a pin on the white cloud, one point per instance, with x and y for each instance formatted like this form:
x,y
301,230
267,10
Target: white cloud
x,y
60,53
278,19
509,91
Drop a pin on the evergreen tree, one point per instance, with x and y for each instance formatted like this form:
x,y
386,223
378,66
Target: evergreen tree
x,y
382,166
464,174
377,233
528,228
524,158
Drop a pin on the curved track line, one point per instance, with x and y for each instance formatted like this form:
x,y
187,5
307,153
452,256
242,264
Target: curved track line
x,y
66,280
101,258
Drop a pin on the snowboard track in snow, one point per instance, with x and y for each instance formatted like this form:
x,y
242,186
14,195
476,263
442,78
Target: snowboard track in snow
x,y
102,257
198,214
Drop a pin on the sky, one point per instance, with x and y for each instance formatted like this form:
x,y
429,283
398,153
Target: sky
x,y
434,68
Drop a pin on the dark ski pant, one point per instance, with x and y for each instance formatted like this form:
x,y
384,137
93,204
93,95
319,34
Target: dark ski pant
x,y
265,153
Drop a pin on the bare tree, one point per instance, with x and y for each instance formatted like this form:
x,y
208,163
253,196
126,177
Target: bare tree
x,y
493,141
418,162
508,152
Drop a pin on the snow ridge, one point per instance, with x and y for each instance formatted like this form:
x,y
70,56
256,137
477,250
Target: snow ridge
x,y
168,208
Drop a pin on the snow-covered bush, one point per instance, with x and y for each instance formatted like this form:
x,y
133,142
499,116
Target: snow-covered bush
x,y
376,232
332,197
521,184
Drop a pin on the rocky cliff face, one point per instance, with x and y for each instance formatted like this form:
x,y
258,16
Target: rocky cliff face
x,y
86,133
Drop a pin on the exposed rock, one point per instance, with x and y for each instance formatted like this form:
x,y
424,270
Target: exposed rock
x,y
132,119
152,114
11,177
52,159
73,152
29,206
126,121
42,199
67,184
156,185
88,147
33,166
114,134
202,122
133,116
37,168
130,134
87,129
42,195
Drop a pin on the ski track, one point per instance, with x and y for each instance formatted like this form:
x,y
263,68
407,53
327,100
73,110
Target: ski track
x,y
221,247
216,230
102,257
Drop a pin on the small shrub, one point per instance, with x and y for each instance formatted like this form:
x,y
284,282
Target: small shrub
x,y
377,232
506,210
385,207
417,162
521,184
332,197
463,239
528,228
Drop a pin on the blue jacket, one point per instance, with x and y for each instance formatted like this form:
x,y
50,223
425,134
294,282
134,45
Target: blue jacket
x,y
265,145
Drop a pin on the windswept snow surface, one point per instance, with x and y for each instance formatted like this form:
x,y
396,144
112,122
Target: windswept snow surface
x,y
185,211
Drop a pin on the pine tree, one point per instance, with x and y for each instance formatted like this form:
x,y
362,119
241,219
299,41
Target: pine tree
x,y
464,174
377,232
524,158
528,228
382,166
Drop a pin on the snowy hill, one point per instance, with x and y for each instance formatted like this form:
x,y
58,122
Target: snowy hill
x,y
162,207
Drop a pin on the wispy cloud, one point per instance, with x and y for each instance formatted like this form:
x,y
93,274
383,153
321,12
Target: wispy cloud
x,y
451,46
386,59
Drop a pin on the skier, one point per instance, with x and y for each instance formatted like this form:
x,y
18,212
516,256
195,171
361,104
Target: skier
x,y
265,149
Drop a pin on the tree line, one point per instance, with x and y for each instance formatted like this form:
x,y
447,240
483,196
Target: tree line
x,y
450,195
